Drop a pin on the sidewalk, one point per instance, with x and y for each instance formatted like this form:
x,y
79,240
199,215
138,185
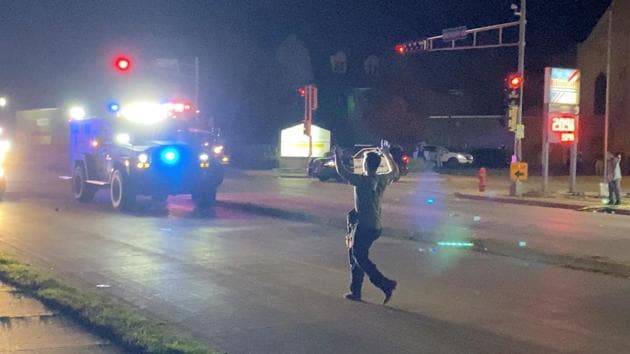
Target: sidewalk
x,y
27,326
586,198
497,190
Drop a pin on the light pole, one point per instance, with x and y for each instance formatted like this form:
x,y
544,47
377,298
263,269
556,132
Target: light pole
x,y
518,148
608,78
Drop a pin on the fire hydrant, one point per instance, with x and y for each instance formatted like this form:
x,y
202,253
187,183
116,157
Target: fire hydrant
x,y
482,179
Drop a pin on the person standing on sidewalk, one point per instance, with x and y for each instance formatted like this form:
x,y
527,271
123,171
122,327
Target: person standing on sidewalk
x,y
614,178
368,193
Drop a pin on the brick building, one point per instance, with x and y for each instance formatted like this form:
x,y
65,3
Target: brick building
x,y
592,61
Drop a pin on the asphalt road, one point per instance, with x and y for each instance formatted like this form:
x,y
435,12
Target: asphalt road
x,y
425,207
245,283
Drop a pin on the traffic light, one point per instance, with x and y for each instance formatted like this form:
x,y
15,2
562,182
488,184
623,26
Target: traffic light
x,y
122,64
302,91
515,81
514,84
400,49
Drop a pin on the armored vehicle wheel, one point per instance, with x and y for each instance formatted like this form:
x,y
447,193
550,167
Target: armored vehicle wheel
x,y
205,199
81,190
122,194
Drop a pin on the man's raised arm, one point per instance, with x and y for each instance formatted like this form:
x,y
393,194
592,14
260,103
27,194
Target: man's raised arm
x,y
342,170
395,172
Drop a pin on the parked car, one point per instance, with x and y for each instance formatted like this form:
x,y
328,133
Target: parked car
x,y
401,159
324,168
447,157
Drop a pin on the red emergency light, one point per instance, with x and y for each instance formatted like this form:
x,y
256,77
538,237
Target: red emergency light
x,y
122,64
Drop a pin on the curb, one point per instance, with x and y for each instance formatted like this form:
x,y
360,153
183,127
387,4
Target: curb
x,y
507,200
544,204
487,246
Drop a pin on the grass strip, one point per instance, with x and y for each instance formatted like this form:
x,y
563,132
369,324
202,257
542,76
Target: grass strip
x,y
116,322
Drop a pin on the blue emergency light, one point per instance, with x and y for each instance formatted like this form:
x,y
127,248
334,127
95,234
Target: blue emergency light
x,y
169,155
113,107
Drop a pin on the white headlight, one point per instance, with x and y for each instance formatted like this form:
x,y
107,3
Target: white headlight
x,y
4,145
330,163
123,138
217,149
144,112
204,157
143,158
77,113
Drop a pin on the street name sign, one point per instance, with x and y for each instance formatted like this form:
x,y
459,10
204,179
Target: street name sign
x,y
454,34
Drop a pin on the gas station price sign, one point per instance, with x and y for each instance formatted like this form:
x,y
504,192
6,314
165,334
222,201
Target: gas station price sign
x,y
562,127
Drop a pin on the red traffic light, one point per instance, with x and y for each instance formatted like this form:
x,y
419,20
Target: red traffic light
x,y
515,81
122,64
400,49
302,92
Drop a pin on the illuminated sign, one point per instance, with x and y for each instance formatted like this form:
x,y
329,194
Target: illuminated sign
x,y
567,137
563,124
563,127
293,142
563,87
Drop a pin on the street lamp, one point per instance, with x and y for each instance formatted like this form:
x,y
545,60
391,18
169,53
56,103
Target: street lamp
x,y
3,102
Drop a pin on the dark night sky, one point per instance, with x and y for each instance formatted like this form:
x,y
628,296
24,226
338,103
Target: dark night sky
x,y
50,48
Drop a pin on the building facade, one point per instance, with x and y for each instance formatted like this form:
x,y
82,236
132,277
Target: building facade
x,y
592,60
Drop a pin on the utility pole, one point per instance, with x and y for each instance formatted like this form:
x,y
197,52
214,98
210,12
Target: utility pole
x,y
196,98
516,188
608,79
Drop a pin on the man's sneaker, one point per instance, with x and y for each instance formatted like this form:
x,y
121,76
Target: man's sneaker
x,y
389,291
352,296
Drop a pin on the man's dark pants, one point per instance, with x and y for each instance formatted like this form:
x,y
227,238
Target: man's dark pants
x,y
614,191
360,263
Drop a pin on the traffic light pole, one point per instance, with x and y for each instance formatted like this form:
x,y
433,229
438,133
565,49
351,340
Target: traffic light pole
x,y
516,188
310,105
196,83
432,44
308,119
